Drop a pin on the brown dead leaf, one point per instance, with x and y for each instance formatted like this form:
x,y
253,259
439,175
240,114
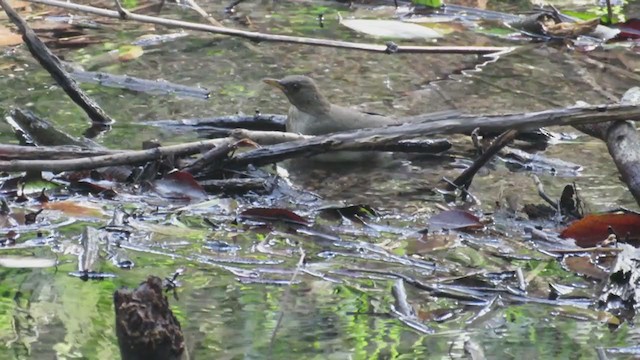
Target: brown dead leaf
x,y
594,228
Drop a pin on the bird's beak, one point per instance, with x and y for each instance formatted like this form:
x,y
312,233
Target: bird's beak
x,y
273,82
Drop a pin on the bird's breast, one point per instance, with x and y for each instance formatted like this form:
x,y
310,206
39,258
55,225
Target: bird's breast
x,y
305,123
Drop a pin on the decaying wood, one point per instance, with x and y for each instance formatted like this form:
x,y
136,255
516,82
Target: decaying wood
x,y
52,64
255,36
145,325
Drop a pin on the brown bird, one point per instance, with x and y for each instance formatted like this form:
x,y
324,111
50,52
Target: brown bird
x,y
312,114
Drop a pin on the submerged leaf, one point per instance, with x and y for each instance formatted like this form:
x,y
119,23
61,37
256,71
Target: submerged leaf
x,y
273,214
179,185
73,208
455,220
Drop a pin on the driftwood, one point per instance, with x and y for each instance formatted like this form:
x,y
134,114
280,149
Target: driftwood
x,y
255,36
145,325
52,64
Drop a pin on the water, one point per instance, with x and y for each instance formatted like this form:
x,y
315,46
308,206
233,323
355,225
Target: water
x,y
328,315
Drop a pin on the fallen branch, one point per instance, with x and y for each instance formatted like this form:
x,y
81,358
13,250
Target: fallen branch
x,y
19,152
255,36
623,143
125,158
431,146
358,140
365,139
43,132
52,64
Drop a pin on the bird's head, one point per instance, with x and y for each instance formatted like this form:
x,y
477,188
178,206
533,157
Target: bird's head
x,y
302,93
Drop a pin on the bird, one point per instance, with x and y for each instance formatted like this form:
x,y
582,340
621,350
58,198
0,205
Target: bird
x,y
312,114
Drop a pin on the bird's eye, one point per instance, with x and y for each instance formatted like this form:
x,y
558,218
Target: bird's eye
x,y
295,86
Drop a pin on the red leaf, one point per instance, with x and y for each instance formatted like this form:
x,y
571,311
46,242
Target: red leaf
x,y
275,214
594,228
629,30
179,185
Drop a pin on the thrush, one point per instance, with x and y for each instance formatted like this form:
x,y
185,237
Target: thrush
x,y
312,114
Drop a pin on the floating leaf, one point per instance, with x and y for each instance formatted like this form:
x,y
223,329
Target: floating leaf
x,y
584,266
74,208
391,29
594,228
180,185
431,242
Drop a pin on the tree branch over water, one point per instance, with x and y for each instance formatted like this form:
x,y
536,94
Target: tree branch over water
x,y
358,140
52,64
256,36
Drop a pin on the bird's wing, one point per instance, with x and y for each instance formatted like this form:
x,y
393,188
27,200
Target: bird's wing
x,y
350,119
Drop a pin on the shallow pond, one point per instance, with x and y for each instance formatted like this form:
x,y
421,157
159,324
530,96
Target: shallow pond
x,y
231,299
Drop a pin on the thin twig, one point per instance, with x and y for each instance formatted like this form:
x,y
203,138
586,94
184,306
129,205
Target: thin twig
x,y
464,180
192,4
256,36
587,250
